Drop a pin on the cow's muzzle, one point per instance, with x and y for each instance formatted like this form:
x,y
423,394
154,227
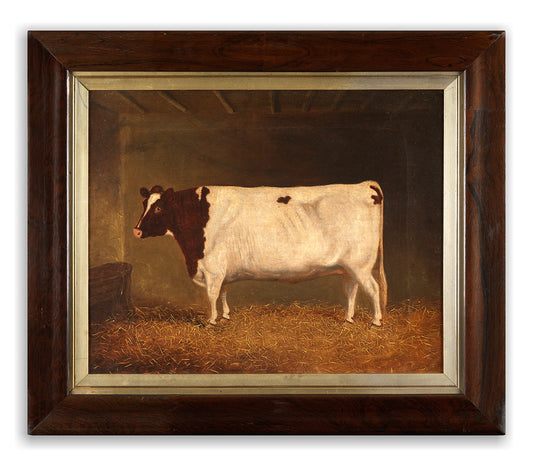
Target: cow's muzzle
x,y
137,233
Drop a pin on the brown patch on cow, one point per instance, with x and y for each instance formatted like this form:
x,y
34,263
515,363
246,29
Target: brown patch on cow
x,y
185,214
192,215
379,197
284,200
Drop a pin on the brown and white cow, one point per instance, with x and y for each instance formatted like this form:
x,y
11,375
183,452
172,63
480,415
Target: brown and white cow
x,y
229,233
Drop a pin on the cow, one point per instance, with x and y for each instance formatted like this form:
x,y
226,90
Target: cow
x,y
229,233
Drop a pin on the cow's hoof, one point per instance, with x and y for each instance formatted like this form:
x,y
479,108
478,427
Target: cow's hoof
x,y
225,317
376,323
212,322
348,321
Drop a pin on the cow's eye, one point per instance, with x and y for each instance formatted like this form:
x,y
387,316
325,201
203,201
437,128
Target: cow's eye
x,y
157,209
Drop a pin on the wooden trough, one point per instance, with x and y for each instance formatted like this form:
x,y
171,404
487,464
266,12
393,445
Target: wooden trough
x,y
109,290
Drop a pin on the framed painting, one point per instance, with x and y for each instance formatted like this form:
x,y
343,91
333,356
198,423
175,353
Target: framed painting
x,y
264,232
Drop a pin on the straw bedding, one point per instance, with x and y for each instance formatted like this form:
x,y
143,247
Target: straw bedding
x,y
259,339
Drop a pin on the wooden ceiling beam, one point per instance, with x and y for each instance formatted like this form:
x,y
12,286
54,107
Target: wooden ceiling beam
x,y
227,106
339,95
274,102
128,97
367,103
170,99
285,120
308,101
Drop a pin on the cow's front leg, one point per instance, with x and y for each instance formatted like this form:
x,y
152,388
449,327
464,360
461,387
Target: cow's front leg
x,y
223,297
213,284
350,290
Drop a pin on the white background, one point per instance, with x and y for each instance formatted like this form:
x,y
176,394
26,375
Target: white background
x,y
17,17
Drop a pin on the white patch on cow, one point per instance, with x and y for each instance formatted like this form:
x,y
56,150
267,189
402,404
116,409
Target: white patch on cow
x,y
151,200
318,229
169,233
321,230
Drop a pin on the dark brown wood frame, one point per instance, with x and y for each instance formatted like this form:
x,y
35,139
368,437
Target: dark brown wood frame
x,y
52,55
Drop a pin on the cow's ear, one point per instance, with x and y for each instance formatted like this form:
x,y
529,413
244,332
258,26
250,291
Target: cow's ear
x,y
157,189
169,195
145,192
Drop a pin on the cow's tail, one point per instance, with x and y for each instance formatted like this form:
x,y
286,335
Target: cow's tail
x,y
382,280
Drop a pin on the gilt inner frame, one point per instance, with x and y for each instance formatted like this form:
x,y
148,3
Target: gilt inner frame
x,y
450,381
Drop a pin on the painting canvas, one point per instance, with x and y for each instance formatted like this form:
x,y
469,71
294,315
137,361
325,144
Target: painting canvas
x,y
311,219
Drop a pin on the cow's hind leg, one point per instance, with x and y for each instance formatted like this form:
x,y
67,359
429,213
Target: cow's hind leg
x,y
350,290
371,288
223,297
213,285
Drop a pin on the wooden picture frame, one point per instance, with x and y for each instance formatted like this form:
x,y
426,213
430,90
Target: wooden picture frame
x,y
53,56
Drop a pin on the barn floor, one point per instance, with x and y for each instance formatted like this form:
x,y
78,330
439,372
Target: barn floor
x,y
296,338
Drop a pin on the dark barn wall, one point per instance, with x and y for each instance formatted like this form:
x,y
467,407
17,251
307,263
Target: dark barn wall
x,y
106,242
396,140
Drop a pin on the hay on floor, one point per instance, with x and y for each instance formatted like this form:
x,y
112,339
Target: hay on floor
x,y
259,339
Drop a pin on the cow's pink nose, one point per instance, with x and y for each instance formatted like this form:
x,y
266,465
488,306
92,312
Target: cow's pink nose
x,y
137,233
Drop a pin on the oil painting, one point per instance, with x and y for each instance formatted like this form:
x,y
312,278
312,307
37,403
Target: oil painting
x,y
267,231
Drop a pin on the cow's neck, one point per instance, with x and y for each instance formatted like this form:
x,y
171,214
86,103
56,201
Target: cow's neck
x,y
190,215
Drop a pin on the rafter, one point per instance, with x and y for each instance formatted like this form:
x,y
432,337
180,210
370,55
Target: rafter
x,y
127,96
169,98
308,101
339,95
274,102
227,106
367,103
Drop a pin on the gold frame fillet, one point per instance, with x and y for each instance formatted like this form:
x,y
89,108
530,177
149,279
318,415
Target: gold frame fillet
x,y
450,381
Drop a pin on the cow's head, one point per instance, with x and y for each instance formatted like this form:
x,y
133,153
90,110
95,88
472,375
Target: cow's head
x,y
156,217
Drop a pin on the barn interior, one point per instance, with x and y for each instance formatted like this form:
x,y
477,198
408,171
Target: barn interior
x,y
184,139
